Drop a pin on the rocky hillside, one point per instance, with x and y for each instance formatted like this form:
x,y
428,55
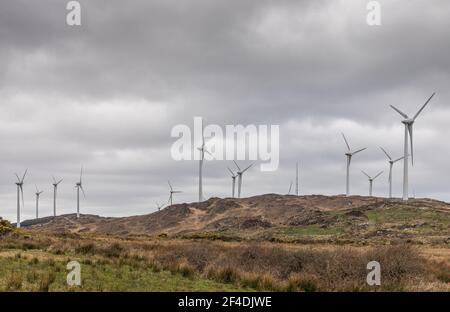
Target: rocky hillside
x,y
276,217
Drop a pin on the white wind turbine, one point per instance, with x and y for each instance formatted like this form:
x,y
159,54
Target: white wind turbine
x,y
38,193
202,150
349,155
19,184
233,178
158,206
408,122
55,188
240,173
78,186
371,180
391,164
171,193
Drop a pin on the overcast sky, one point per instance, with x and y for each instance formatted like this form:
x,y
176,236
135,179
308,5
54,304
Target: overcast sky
x,y
106,94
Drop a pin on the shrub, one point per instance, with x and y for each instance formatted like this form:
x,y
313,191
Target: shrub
x,y
5,227
85,249
14,281
113,250
46,279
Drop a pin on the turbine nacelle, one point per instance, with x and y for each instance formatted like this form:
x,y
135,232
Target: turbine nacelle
x,y
408,121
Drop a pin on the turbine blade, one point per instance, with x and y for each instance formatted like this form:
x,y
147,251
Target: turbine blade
x,y
59,181
206,151
18,179
358,151
81,173
346,143
25,173
54,180
232,173
37,191
390,158
377,175
170,186
247,168
424,105
237,165
399,111
399,159
82,190
21,192
410,130
366,174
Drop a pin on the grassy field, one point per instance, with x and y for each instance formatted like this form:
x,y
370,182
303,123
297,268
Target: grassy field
x,y
108,263
331,254
41,271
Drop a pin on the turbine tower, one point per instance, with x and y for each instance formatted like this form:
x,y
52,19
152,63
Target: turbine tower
x,y
391,164
296,178
371,180
408,122
240,173
78,186
202,150
19,184
349,155
55,188
171,193
38,193
233,178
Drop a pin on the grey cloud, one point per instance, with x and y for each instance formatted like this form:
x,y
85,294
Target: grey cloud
x,y
107,94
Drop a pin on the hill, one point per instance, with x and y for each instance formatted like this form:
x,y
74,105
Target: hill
x,y
276,218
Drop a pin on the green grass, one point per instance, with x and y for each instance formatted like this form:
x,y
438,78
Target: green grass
x,y
29,274
408,214
312,229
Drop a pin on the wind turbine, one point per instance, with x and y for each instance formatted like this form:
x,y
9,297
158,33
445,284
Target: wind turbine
x,y
78,186
408,122
391,164
171,193
158,206
371,180
349,155
202,150
19,184
240,173
233,177
38,193
55,187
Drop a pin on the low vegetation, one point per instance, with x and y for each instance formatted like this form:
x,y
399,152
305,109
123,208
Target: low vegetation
x,y
5,227
109,263
269,242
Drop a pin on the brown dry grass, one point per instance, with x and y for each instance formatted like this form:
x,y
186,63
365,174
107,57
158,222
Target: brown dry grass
x,y
256,265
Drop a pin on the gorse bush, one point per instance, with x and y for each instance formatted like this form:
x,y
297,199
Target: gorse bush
x,y
268,267
5,227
